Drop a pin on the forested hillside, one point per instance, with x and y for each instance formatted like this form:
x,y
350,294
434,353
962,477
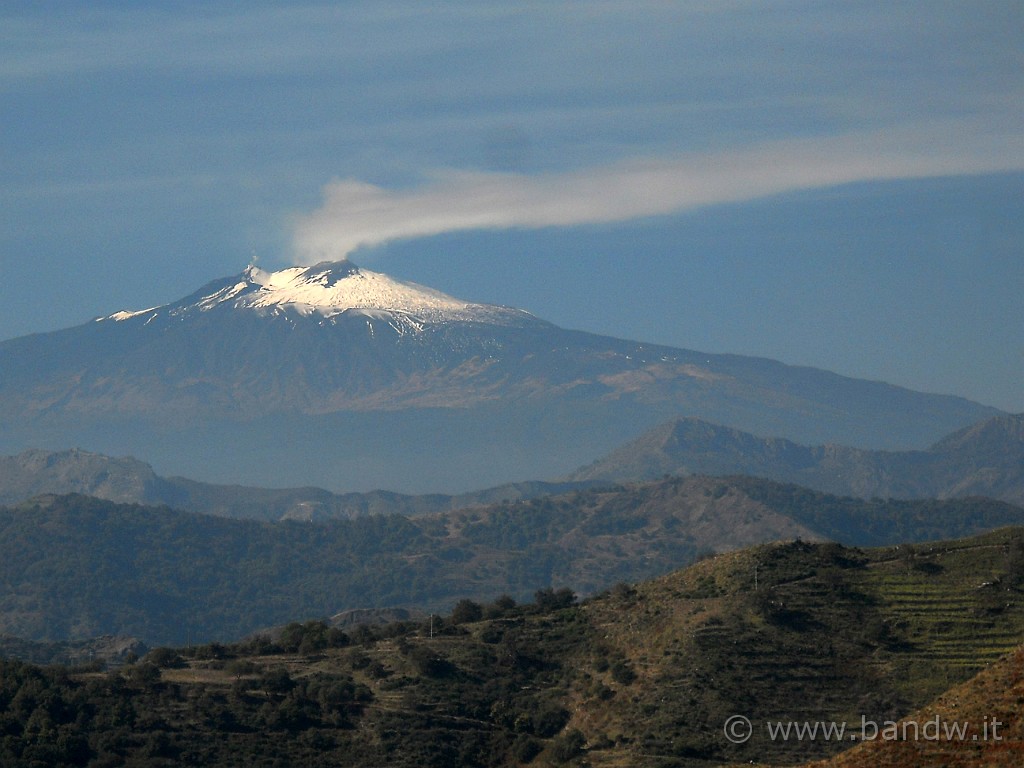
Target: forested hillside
x,y
641,675
73,567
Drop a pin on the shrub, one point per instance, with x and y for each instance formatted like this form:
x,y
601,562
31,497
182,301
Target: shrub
x,y
167,658
430,663
549,599
549,719
568,746
277,680
621,672
503,606
239,667
466,612
525,749
144,674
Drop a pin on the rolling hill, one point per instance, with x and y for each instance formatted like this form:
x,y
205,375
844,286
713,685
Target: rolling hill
x,y
641,675
72,567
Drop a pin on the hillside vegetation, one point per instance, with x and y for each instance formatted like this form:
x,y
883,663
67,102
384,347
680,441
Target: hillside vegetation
x,y
641,675
73,567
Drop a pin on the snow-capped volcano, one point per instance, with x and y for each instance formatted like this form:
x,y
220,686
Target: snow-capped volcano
x,y
329,289
342,377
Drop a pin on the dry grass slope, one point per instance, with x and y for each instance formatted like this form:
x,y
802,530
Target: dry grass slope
x,y
994,696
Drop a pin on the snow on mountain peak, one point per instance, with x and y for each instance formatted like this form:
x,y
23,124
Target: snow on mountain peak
x,y
333,287
329,289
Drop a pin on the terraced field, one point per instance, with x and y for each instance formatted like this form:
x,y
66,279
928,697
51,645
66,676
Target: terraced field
x,y
955,609
802,632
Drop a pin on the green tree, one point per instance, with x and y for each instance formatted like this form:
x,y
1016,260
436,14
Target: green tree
x,y
466,612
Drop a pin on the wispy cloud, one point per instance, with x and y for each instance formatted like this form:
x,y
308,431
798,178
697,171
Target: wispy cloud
x,y
355,213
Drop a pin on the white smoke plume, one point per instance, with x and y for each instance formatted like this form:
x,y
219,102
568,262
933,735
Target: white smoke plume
x,y
357,214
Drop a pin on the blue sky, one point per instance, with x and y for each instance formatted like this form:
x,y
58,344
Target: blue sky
x,y
834,184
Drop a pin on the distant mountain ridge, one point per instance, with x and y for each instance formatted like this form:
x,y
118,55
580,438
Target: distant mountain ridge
x,y
340,377
985,459
130,481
